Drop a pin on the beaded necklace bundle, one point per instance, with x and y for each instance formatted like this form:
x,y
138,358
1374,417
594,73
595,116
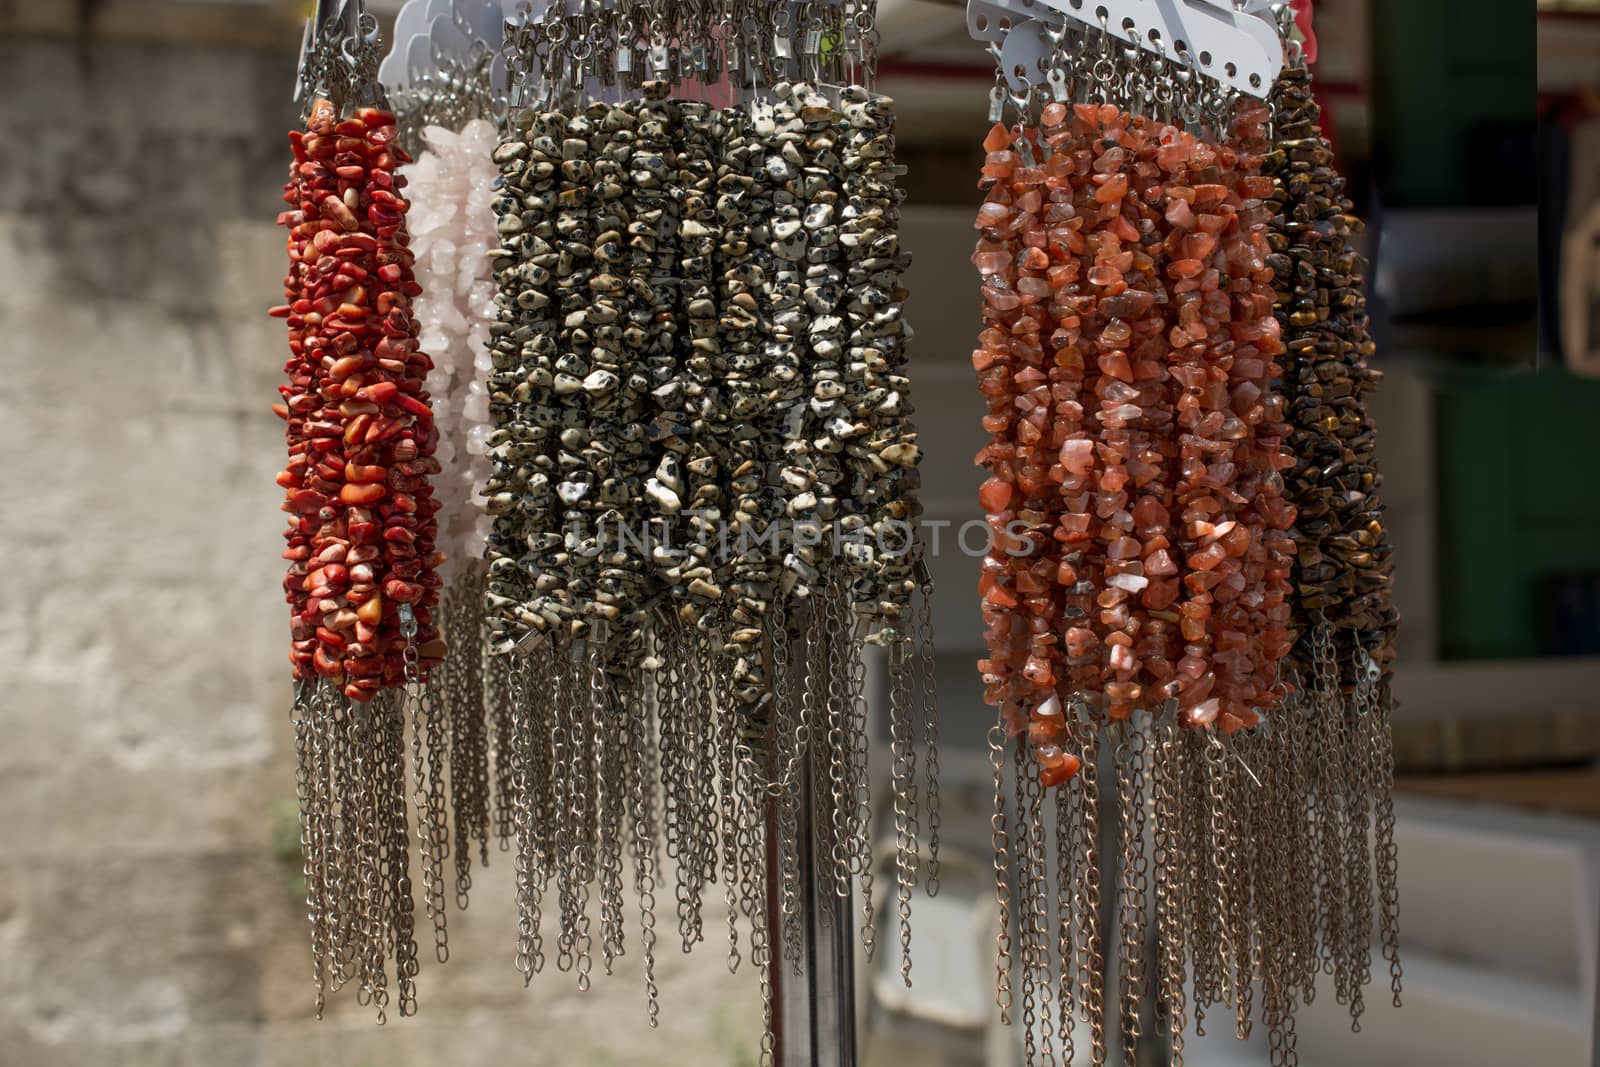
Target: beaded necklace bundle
x,y
704,481
363,577
1140,596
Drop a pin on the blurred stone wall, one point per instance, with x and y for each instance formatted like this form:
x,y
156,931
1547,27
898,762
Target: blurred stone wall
x,y
145,773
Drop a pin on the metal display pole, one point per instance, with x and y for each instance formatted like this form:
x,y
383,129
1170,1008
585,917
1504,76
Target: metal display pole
x,y
814,1022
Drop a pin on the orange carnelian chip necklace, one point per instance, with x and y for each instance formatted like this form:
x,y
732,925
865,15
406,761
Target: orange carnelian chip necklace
x,y
1139,553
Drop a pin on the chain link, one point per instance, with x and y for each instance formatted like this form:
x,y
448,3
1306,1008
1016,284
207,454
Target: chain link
x,y
726,746
1026,870
1036,897
1172,858
1237,782
432,822
468,746
1093,993
1381,753
528,686
929,676
611,747
1134,868
401,906
791,721
310,791
1000,840
1358,857
644,788
564,754
904,771
859,792
1068,809
838,711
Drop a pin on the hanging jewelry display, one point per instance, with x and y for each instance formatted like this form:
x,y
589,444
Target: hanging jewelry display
x,y
362,580
1344,617
1138,594
704,481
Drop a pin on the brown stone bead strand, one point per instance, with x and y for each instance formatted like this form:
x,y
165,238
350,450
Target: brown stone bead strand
x,y
1117,331
360,432
1127,357
1344,560
1238,552
1075,378
1002,348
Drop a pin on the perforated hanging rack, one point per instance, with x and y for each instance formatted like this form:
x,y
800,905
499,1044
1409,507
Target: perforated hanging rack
x,y
1236,45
